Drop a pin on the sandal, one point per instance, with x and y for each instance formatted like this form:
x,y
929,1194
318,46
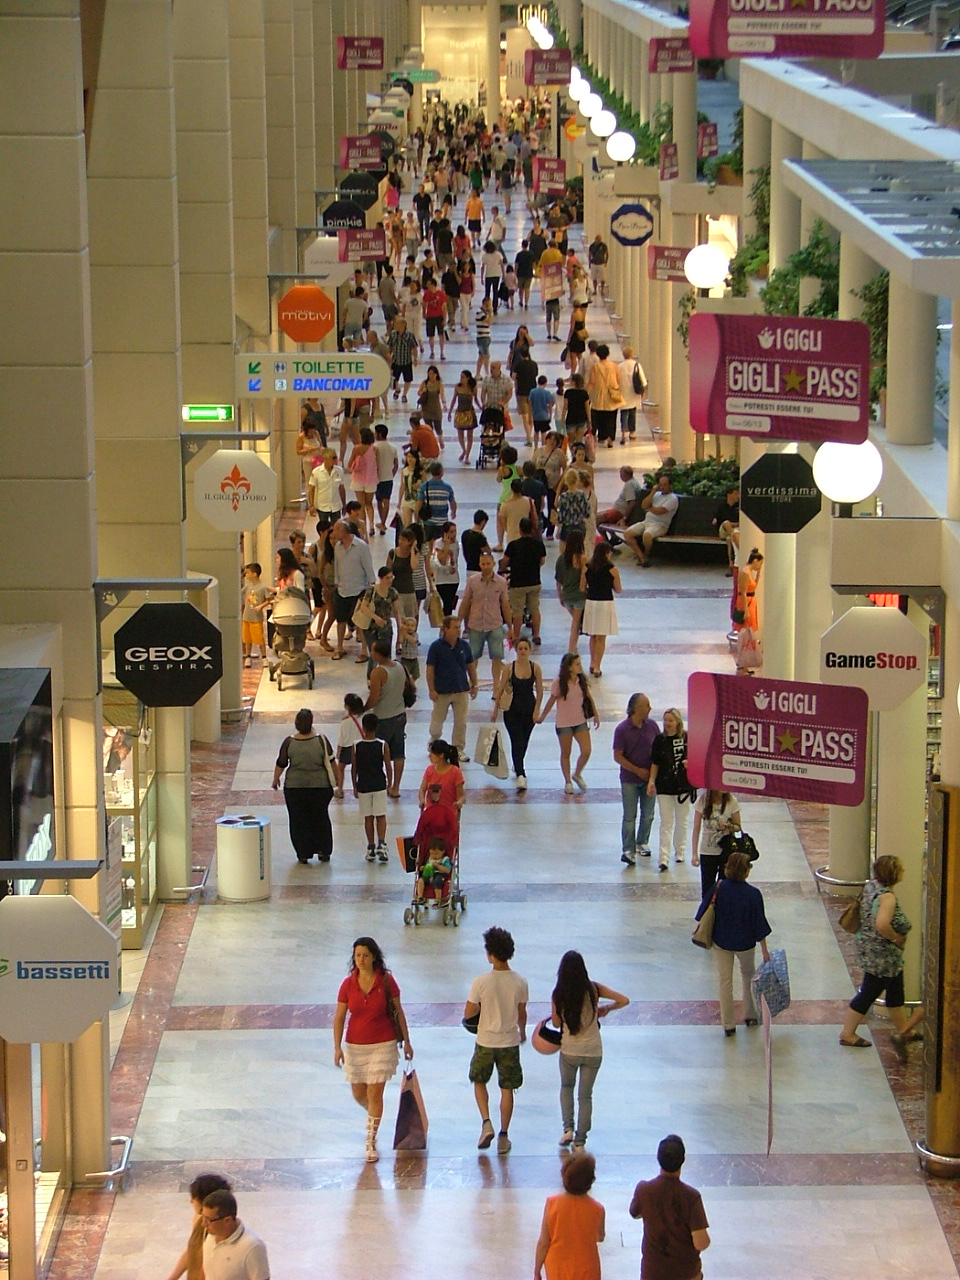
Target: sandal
x,y
362,658
857,1042
338,655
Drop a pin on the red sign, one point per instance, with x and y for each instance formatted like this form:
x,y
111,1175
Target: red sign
x,y
787,28
669,162
777,738
547,66
665,262
672,53
707,142
780,377
305,313
360,53
368,245
549,174
360,153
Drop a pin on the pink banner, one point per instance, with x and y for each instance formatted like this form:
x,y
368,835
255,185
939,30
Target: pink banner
x,y
360,53
669,54
777,738
780,377
549,174
665,262
551,281
547,66
787,28
669,162
707,141
360,153
366,245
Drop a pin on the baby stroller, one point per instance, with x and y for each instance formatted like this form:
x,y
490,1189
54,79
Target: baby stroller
x,y
414,854
492,431
291,618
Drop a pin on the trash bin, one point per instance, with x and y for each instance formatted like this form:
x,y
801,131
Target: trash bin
x,y
243,858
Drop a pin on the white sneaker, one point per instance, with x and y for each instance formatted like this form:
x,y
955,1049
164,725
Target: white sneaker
x,y
578,779
566,1138
521,782
568,788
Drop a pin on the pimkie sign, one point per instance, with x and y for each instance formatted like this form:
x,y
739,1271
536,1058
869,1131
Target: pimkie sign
x,y
787,28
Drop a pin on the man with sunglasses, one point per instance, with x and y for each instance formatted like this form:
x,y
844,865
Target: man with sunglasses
x,y
230,1251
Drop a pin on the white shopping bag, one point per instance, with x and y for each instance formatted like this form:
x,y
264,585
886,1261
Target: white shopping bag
x,y
490,751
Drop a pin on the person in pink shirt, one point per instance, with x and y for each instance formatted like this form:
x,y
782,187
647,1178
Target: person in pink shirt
x,y
363,476
484,610
570,694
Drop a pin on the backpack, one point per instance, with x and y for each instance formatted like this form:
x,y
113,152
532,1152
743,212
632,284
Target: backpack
x,y
639,386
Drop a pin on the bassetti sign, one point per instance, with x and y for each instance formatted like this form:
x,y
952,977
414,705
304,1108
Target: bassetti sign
x,y
168,655
234,490
877,650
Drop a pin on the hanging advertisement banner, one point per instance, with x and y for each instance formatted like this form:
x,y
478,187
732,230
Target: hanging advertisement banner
x,y
780,738
780,377
263,375
360,152
368,244
787,28
631,225
779,494
669,162
547,66
665,262
708,143
877,650
168,655
360,53
305,313
669,54
549,175
234,490
551,281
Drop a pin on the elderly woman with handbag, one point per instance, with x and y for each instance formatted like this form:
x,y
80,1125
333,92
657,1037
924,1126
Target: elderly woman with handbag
x,y
518,695
739,923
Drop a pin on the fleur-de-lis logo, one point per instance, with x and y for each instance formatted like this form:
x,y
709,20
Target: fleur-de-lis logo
x,y
235,484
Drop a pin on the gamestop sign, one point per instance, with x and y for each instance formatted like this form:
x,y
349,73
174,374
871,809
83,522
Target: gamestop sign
x,y
58,971
877,650
168,655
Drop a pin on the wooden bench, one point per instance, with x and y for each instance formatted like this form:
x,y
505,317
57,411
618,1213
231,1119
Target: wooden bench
x,y
690,527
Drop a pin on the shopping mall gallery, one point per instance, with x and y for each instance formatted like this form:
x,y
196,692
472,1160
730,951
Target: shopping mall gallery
x,y
759,208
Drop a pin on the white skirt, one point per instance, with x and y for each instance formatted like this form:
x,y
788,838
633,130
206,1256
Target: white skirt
x,y
370,1063
600,618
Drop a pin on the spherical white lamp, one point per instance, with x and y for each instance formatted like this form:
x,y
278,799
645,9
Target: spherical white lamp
x,y
621,146
545,39
579,90
706,266
591,104
847,473
603,123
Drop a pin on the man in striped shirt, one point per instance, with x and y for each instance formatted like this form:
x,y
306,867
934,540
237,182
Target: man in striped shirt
x,y
404,349
483,318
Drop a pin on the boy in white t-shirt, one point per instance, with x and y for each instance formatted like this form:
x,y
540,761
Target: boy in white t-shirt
x,y
500,998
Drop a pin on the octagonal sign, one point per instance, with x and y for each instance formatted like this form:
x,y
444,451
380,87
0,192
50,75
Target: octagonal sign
x,y
305,313
235,489
168,655
57,972
878,650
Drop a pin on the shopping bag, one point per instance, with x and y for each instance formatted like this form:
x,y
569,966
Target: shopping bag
x,y
435,609
490,751
749,650
702,935
407,849
772,982
411,1131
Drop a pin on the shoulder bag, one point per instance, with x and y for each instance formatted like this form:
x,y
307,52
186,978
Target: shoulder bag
x,y
392,1009
364,614
850,916
738,842
703,934
506,698
328,762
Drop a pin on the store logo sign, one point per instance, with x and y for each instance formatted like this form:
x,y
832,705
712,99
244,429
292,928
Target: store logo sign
x,y
877,650
235,485
61,970
235,489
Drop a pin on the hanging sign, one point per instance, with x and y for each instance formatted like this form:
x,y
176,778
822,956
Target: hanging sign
x,y
360,53
360,152
263,375
549,175
707,141
572,129
416,75
168,655
779,494
787,28
58,973
343,213
234,490
781,738
669,54
547,66
665,262
362,188
669,162
551,281
631,225
366,245
305,313
780,377
877,650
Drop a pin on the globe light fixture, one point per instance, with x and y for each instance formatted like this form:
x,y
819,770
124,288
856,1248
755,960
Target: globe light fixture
x,y
575,74
545,39
579,90
591,104
847,473
621,146
706,266
603,123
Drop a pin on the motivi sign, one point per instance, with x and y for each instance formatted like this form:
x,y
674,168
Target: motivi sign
x,y
787,28
360,53
780,738
780,377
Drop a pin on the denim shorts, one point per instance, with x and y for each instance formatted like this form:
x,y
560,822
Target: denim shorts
x,y
493,640
568,731
483,346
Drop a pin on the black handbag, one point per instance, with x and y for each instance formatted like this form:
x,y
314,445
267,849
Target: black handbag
x,y
738,842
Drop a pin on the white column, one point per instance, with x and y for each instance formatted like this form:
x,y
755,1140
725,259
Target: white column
x,y
415,38
685,124
756,155
647,84
249,142
492,73
682,436
281,134
328,114
911,364
784,205
304,124
953,429
777,597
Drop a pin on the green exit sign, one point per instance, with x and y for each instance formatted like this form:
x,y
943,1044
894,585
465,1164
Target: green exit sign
x,y
207,413
419,75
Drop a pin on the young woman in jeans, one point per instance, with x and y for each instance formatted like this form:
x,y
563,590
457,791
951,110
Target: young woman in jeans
x,y
576,1009
715,813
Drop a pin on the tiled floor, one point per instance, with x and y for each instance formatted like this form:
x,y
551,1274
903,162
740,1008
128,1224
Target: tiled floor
x,y
226,1055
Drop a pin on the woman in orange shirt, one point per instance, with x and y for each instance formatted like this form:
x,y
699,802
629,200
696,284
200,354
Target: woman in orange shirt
x,y
573,1225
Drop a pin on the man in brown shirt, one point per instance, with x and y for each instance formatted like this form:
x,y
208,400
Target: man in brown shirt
x,y
674,1222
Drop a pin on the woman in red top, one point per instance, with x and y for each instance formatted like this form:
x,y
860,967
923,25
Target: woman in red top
x,y
370,1055
443,771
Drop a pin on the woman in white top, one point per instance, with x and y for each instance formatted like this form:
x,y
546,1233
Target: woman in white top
x,y
715,814
446,566
632,399
577,1010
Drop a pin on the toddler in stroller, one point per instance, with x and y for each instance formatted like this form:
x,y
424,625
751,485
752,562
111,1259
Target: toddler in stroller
x,y
492,432
436,841
291,619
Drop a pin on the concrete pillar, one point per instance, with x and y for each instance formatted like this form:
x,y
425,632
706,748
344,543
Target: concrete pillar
x,y
281,135
685,124
682,435
664,91
777,595
249,141
911,364
647,84
665,325
304,120
814,598
46,359
415,38
856,268
492,64
327,121
953,427
784,205
756,155
208,331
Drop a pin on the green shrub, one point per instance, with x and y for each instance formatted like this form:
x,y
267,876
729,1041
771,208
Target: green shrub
x,y
708,478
